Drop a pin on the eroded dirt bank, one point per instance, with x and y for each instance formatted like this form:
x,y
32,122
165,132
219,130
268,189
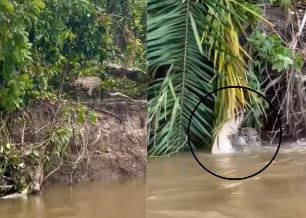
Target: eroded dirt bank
x,y
116,146
67,142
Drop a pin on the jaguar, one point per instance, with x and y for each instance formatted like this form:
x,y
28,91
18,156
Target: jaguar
x,y
245,137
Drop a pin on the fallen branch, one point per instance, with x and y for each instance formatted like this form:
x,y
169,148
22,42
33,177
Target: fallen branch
x,y
118,94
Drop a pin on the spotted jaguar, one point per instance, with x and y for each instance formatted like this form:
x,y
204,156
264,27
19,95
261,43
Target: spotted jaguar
x,y
90,83
249,134
245,137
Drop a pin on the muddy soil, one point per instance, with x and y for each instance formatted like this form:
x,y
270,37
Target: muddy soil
x,y
117,144
114,147
283,21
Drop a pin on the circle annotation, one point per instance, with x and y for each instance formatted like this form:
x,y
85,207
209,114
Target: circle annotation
x,y
274,111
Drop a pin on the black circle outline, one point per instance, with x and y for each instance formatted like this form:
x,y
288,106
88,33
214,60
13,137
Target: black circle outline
x,y
280,131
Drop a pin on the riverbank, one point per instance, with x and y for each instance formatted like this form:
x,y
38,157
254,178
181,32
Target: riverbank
x,y
117,145
66,142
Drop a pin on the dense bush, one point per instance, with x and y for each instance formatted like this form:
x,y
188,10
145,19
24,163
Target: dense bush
x,y
46,42
45,45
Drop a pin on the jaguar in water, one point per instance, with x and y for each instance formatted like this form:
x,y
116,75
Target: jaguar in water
x,y
246,137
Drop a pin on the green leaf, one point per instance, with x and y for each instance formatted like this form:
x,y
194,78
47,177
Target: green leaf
x,y
281,63
299,61
173,51
81,115
196,34
6,6
93,118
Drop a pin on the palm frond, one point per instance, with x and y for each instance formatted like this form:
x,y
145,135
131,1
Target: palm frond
x,y
228,61
221,40
192,48
173,49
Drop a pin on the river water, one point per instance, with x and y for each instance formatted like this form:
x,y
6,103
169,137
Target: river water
x,y
178,187
126,199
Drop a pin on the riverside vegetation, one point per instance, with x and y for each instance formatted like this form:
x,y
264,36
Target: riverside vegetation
x,y
55,56
195,47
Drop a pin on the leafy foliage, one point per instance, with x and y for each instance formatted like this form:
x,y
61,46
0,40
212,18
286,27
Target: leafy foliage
x,y
18,160
128,29
193,48
270,50
181,74
284,3
15,50
45,43
124,86
12,167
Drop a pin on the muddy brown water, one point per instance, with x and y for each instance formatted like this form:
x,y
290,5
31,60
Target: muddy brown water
x,y
116,199
178,187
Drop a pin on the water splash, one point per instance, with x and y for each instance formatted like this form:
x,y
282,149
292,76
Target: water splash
x,y
222,143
